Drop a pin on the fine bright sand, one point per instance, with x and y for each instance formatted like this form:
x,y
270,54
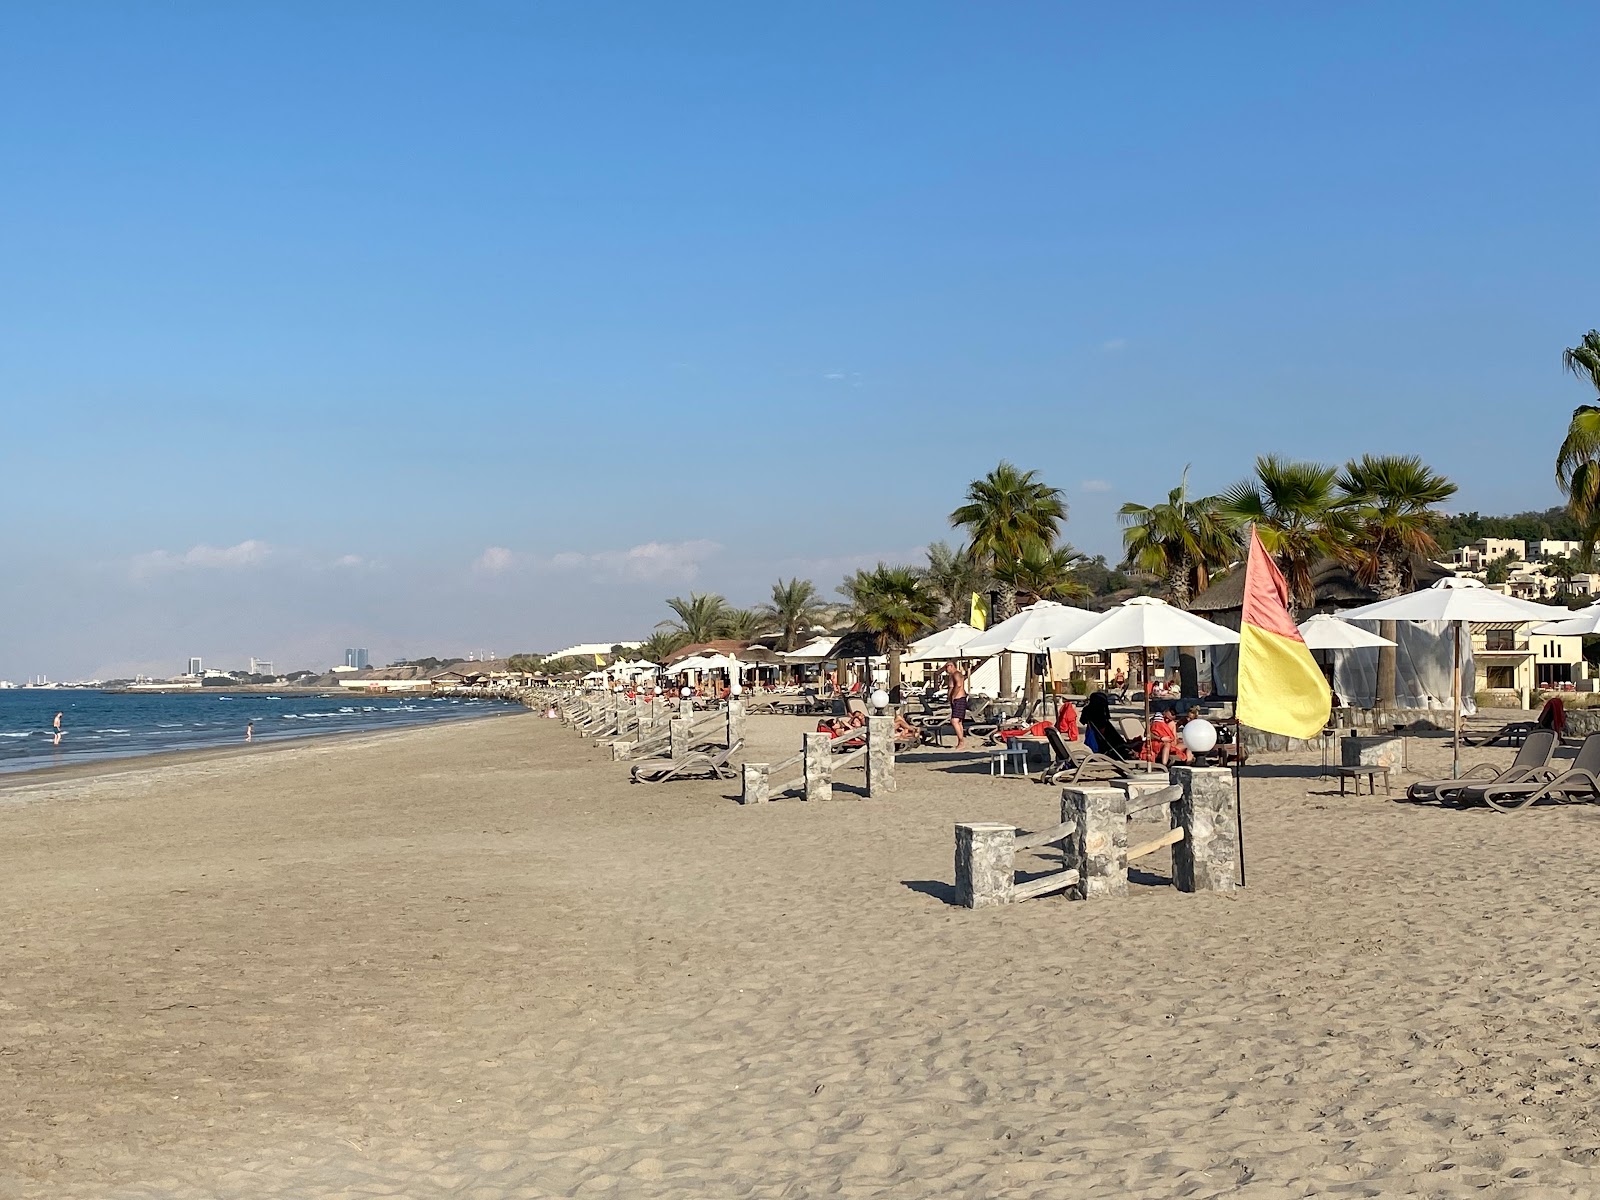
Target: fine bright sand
x,y
472,960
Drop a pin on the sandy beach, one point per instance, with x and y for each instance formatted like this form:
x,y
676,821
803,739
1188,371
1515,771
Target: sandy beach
x,y
472,960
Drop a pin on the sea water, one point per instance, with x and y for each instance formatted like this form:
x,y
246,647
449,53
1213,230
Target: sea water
x,y
98,725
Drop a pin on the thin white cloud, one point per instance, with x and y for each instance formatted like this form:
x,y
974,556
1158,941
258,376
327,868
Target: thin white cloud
x,y
848,378
1114,346
648,561
822,570
249,553
1094,485
495,560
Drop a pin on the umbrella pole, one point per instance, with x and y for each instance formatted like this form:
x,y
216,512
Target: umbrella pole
x,y
1455,688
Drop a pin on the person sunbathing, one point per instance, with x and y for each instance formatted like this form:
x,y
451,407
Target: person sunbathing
x,y
1162,745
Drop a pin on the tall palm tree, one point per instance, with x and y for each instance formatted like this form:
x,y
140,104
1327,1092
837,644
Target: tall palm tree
x,y
1391,499
894,603
744,624
1561,568
796,609
1578,459
1181,541
701,617
1299,514
1005,512
954,577
660,645
1041,574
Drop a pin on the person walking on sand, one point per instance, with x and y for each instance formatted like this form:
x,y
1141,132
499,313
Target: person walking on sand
x,y
955,682
249,731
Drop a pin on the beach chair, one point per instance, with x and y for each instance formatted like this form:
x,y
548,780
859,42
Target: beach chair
x,y
1580,780
1532,761
690,767
1513,733
1076,758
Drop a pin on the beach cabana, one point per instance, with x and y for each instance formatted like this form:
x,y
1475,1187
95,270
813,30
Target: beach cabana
x,y
943,645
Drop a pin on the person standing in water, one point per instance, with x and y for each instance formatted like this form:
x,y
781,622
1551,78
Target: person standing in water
x,y
249,731
56,741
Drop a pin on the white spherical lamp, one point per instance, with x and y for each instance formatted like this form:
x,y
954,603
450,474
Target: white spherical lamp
x,y
880,699
736,688
1200,735
686,692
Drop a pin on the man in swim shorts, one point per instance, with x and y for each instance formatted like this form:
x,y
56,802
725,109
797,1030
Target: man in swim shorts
x,y
955,682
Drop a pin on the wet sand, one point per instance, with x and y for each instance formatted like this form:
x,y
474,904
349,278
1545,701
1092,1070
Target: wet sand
x,y
471,960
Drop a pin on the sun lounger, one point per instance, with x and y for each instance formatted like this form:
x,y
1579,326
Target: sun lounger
x,y
1075,758
690,766
1532,762
1579,781
1511,733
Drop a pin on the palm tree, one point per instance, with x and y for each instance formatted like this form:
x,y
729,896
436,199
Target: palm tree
x,y
1391,499
1181,541
1042,574
1006,511
744,624
1298,514
1561,569
954,577
661,645
1578,459
701,617
894,603
796,609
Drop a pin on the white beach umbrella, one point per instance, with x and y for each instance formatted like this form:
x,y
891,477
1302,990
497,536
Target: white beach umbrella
x,y
946,643
1144,623
815,652
1454,599
1326,632
1029,630
1585,622
695,662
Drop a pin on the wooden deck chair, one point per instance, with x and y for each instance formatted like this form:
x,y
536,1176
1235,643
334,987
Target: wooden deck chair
x,y
1580,780
1075,758
1533,760
688,767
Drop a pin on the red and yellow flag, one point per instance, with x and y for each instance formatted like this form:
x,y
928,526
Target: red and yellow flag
x,y
1281,688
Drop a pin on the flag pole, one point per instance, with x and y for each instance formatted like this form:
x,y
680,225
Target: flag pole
x,y
1238,798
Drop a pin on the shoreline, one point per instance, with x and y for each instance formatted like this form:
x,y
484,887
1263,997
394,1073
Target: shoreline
x,y
121,764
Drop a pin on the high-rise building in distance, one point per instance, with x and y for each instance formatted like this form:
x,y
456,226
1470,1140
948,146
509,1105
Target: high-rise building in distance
x,y
196,667
357,658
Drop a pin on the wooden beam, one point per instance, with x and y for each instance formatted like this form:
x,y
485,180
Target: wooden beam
x,y
1032,841
1171,838
1155,800
1044,886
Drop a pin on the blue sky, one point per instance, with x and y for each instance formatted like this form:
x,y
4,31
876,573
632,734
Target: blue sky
x,y
489,326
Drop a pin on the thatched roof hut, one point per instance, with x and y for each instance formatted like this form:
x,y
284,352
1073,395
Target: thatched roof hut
x,y
1334,585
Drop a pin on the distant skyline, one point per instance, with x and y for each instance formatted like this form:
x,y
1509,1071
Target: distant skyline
x,y
430,329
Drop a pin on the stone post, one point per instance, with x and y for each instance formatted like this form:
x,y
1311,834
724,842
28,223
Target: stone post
x,y
686,708
819,766
1098,847
678,737
735,721
757,784
880,756
986,863
1207,859
658,708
